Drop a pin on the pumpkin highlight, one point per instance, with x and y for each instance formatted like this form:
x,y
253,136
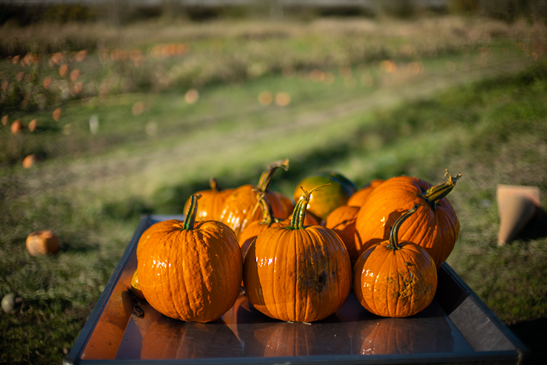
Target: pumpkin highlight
x,y
395,279
297,273
435,225
190,270
238,210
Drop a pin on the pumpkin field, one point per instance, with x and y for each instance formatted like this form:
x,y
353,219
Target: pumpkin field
x,y
101,125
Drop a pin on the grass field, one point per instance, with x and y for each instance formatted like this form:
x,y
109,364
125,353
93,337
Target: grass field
x,y
363,98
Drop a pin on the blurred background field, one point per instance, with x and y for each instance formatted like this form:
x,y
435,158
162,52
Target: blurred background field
x,y
125,113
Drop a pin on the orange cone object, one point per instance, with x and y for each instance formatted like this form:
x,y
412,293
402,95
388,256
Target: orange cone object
x,y
517,205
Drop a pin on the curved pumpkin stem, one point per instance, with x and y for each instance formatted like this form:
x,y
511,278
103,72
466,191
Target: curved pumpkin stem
x,y
266,177
435,193
264,204
192,212
394,233
299,212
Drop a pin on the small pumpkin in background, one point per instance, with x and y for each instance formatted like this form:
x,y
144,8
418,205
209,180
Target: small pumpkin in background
x,y
297,273
29,161
32,125
17,127
190,270
239,208
211,202
342,221
41,243
336,192
360,196
393,279
435,225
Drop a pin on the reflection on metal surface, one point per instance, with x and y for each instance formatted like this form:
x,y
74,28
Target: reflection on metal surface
x,y
108,333
245,332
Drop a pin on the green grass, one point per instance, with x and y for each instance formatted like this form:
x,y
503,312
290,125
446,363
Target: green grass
x,y
486,119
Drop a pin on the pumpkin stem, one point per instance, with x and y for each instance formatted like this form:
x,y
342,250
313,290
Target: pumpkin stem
x,y
394,233
192,212
264,204
299,212
213,183
435,193
266,177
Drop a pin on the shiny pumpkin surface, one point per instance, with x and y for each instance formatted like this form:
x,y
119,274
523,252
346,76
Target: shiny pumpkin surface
x,y
211,202
299,275
342,221
394,279
396,284
192,275
435,226
360,196
268,220
239,210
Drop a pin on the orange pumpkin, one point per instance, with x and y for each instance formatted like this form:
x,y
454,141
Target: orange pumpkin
x,y
238,210
435,225
297,273
268,220
17,127
342,221
29,161
395,280
190,270
211,202
360,196
42,243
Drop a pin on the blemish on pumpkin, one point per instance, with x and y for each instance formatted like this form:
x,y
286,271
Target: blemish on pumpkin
x,y
311,281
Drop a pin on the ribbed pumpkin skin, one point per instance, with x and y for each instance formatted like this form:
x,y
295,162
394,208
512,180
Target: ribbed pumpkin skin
x,y
360,196
237,212
191,275
255,228
299,275
342,221
210,205
396,283
435,230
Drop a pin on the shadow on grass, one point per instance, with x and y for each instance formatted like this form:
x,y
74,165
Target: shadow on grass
x,y
533,334
536,228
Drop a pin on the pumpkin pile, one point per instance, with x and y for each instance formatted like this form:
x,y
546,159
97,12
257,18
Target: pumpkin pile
x,y
297,258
